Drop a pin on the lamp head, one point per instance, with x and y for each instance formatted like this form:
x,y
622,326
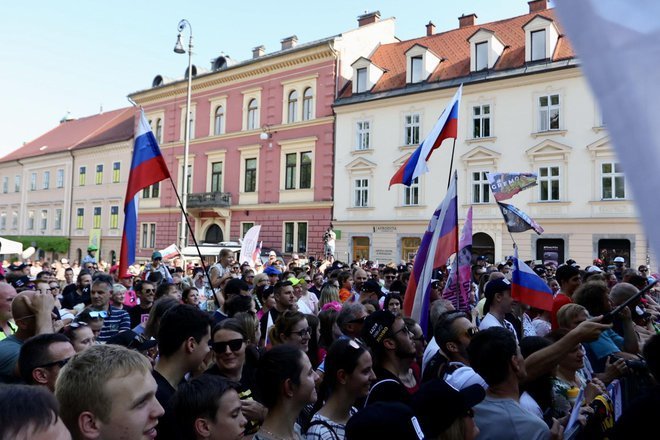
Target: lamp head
x,y
264,136
178,47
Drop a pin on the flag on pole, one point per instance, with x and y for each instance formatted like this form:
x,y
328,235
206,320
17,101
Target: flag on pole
x,y
256,255
458,286
445,128
506,185
527,287
170,252
147,167
440,241
249,244
518,221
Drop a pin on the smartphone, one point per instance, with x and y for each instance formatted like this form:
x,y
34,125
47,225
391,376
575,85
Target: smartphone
x,y
608,318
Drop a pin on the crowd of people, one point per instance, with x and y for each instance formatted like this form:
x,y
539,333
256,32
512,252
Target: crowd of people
x,y
322,350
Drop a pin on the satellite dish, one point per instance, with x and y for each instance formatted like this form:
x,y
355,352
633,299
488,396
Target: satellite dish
x,y
27,253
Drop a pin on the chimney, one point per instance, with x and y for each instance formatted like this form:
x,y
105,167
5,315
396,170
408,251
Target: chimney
x,y
258,51
537,6
289,42
466,20
368,18
430,29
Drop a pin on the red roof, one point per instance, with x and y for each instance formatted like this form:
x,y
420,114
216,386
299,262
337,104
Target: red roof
x,y
91,131
455,49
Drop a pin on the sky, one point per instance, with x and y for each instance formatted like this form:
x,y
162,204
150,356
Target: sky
x,y
86,56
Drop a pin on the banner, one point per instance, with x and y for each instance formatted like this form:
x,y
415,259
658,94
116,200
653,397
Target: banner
x,y
459,284
518,221
95,239
506,185
249,245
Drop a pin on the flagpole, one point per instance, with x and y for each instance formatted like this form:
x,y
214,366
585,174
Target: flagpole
x,y
451,162
512,239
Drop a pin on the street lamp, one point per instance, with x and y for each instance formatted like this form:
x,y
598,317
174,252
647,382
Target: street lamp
x,y
178,48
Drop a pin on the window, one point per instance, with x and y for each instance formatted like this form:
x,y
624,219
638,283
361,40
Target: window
x,y
114,217
549,112
416,69
481,53
480,187
250,175
361,193
191,127
44,220
613,181
148,237
3,221
306,170
245,227
159,130
57,225
30,221
17,183
82,175
361,80
80,218
290,173
60,178
5,184
295,237
363,132
411,129
481,121
411,193
33,182
96,220
14,219
308,104
99,174
549,184
116,172
46,182
292,105
538,45
291,167
216,177
188,178
151,192
252,115
219,120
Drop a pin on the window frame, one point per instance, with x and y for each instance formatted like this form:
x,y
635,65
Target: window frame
x,y
252,172
361,80
613,176
481,59
59,180
80,218
17,183
545,112
411,194
549,180
216,176
308,104
292,232
416,69
96,217
363,135
82,175
361,186
33,181
98,176
30,221
116,172
57,221
292,107
412,128
45,184
114,217
479,120
43,220
219,120
479,188
533,43
5,184
148,235
252,121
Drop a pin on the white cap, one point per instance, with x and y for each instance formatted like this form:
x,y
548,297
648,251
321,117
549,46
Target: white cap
x,y
619,260
594,269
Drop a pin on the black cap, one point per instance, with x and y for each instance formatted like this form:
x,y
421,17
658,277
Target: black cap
x,y
381,420
494,287
372,286
377,327
130,339
21,282
17,266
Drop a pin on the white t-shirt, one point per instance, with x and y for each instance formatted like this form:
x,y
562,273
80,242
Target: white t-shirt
x,y
491,321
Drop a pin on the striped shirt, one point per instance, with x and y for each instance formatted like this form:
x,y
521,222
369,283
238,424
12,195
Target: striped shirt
x,y
117,321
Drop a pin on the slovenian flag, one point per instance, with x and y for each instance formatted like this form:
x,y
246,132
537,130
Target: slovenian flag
x,y
147,167
440,241
445,128
528,288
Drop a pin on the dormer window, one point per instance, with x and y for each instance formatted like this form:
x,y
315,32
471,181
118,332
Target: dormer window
x,y
361,80
365,75
541,36
421,63
481,53
485,50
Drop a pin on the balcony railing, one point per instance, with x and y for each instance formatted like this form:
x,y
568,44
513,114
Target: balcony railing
x,y
209,200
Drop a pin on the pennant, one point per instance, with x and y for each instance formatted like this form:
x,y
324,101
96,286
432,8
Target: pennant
x,y
147,167
459,283
506,185
527,287
439,242
445,128
518,221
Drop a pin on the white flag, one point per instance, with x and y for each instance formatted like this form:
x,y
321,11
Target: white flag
x,y
249,244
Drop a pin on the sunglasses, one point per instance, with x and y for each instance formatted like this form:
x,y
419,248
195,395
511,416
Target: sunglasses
x,y
77,324
98,314
358,320
60,364
472,332
402,329
304,332
221,347
148,290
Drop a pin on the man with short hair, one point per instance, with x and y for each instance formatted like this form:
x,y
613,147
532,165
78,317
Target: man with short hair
x,y
498,303
317,284
157,265
68,276
7,325
351,319
107,393
285,300
42,357
569,280
619,267
146,292
28,412
370,290
495,356
389,275
393,349
359,278
114,320
183,343
74,294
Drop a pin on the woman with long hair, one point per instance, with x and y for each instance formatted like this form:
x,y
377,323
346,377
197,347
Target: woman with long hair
x,y
190,296
286,380
329,293
291,328
348,377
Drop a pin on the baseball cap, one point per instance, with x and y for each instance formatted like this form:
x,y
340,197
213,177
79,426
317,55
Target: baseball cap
x,y
619,260
130,339
156,255
272,254
126,275
294,281
384,420
493,287
17,266
270,270
377,326
594,269
114,268
21,282
437,404
372,286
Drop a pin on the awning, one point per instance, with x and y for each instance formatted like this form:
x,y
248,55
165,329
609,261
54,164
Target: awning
x,y
10,247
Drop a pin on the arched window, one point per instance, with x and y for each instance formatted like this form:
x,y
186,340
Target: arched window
x,y
308,104
219,125
292,107
159,130
213,234
252,114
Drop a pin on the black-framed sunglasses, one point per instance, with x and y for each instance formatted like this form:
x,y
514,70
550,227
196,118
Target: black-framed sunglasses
x,y
60,363
304,332
233,344
402,329
472,332
358,320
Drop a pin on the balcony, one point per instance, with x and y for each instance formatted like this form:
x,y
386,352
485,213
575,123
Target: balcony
x,y
209,200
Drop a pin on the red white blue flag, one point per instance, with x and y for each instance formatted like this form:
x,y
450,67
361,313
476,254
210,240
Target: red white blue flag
x,y
528,288
445,128
459,283
440,241
147,167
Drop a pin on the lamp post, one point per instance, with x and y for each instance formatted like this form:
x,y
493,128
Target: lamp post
x,y
178,48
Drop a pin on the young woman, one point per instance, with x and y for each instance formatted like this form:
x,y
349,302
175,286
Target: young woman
x,y
190,296
80,335
393,303
265,295
286,380
291,328
348,377
329,293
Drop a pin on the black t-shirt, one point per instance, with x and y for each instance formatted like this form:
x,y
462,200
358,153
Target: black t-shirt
x,y
168,427
387,388
71,298
137,313
637,420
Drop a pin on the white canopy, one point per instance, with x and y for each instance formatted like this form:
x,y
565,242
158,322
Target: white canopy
x,y
10,247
